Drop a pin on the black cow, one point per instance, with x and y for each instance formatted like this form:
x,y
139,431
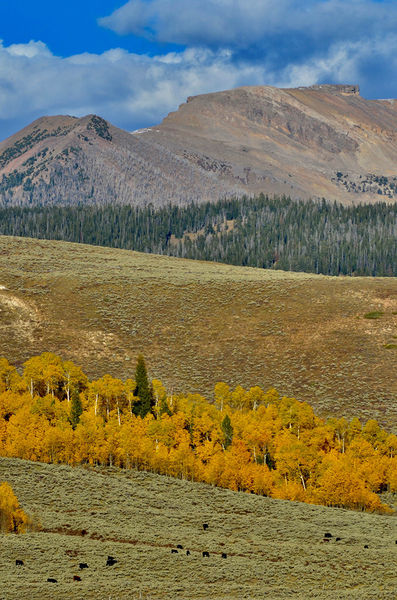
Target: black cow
x,y
173,551
19,563
205,526
187,552
206,554
83,566
224,555
328,535
51,580
111,558
338,539
180,547
366,546
76,578
110,563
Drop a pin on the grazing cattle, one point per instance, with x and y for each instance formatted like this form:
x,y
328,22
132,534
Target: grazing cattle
x,y
19,563
110,563
338,539
76,578
206,554
224,555
326,540
111,558
205,526
328,535
366,546
51,580
187,552
83,566
180,547
173,551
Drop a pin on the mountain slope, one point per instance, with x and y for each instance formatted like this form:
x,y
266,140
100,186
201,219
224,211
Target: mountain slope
x,y
328,340
323,141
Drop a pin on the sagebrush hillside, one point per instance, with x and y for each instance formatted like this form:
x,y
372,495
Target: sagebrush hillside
x,y
329,341
275,549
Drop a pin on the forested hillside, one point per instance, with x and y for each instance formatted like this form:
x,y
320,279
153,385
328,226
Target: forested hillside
x,y
265,232
248,440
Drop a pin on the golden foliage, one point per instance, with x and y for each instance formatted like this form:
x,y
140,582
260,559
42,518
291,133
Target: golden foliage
x,y
279,447
12,517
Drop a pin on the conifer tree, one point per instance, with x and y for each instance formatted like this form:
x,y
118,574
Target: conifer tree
x,y
227,429
76,409
143,389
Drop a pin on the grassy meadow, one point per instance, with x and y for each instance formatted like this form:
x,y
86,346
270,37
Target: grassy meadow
x,y
330,341
274,548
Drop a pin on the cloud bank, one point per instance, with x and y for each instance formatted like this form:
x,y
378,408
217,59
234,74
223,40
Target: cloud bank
x,y
223,44
128,89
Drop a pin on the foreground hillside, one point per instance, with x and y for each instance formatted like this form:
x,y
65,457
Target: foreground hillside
x,y
329,341
322,141
275,549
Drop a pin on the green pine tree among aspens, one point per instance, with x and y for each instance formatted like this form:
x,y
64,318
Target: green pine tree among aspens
x,y
76,409
142,390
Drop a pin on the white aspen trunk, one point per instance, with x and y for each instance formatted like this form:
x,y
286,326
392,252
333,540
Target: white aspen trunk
x,y
96,404
68,388
118,413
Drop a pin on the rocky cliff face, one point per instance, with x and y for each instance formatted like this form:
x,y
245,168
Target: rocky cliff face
x,y
323,141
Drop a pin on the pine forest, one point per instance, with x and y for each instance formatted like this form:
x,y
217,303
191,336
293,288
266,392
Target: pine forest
x,y
265,232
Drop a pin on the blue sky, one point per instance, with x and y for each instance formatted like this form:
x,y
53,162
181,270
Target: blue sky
x,y
133,62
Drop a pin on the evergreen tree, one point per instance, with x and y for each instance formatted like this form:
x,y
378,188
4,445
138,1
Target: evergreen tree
x,y
227,429
143,389
76,409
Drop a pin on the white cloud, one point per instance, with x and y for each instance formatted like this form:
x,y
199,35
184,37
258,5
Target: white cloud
x,y
130,90
134,91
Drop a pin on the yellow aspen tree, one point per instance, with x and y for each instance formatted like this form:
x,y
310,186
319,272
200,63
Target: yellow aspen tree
x,y
12,518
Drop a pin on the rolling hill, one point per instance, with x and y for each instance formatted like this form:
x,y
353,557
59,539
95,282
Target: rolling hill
x,y
275,549
330,341
323,141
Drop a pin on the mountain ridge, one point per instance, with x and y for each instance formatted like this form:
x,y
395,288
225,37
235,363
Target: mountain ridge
x,y
325,141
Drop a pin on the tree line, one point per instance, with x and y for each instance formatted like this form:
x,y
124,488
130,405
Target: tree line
x,y
248,440
265,232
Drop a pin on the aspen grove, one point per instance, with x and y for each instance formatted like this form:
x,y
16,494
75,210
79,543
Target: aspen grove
x,y
246,440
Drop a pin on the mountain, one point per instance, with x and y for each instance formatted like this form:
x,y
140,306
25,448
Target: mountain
x,y
322,141
328,340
